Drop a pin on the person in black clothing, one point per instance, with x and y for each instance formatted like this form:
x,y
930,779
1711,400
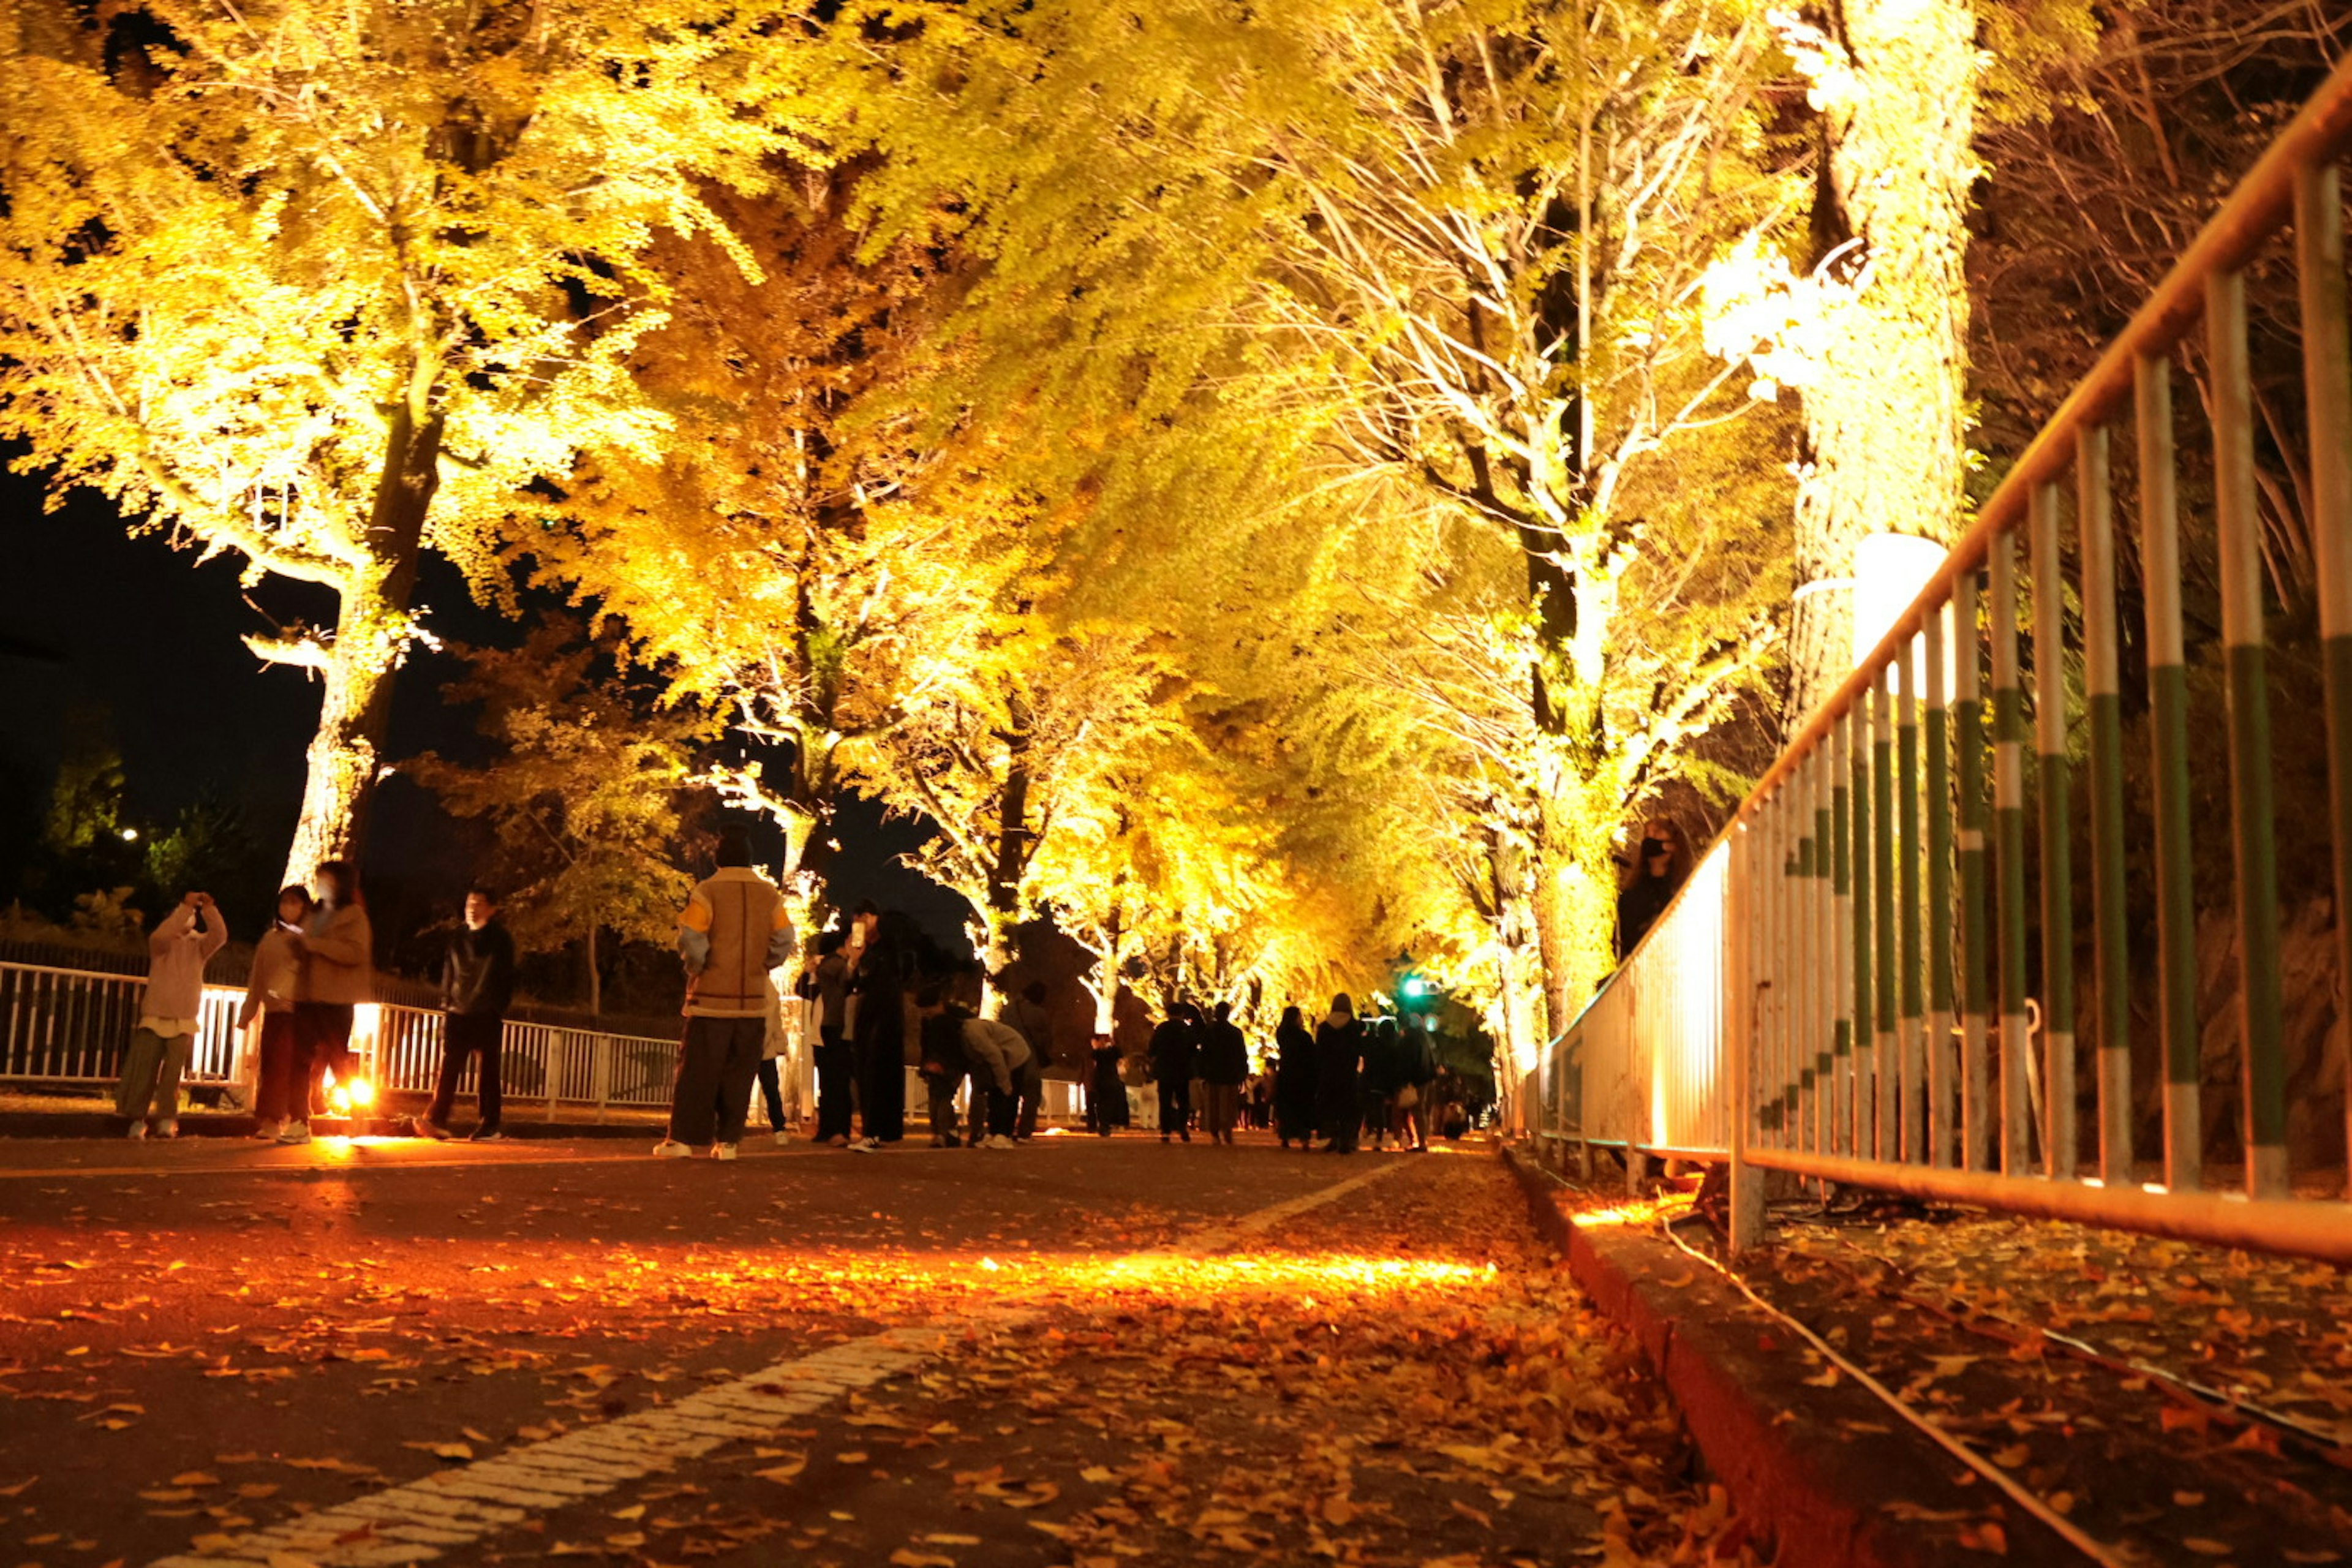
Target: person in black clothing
x,y
477,974
1661,862
1416,1074
1107,1092
1380,1079
1294,1081
1339,1053
827,983
879,983
1028,1013
944,1066
1225,1068
1175,1057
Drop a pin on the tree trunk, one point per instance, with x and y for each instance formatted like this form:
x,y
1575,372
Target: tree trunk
x,y
371,632
1884,417
1012,849
596,976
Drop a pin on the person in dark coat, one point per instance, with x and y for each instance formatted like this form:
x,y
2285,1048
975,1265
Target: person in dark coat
x,y
1417,1074
836,1060
1106,1091
1294,1081
1225,1068
1338,1055
944,1067
879,1035
1662,863
478,981
1175,1058
1380,1079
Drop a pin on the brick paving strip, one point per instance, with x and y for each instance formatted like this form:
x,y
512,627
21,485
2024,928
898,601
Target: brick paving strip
x,y
421,1519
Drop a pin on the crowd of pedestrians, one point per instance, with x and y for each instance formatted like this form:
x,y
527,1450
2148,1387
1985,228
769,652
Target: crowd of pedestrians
x,y
871,1015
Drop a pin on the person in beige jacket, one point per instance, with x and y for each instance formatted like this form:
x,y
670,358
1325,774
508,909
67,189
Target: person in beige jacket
x,y
149,1092
337,946
732,932
270,995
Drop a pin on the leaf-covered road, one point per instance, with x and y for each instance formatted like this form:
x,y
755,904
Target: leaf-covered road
x,y
231,1340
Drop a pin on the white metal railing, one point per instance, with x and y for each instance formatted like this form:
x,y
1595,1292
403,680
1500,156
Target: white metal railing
x,y
68,1027
1851,988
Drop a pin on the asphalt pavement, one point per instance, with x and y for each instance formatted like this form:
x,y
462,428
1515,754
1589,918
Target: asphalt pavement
x,y
386,1351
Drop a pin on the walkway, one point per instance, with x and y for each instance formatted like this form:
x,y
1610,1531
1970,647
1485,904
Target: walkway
x,y
1071,1353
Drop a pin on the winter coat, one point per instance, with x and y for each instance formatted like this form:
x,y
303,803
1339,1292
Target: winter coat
x,y
1645,898
1224,1055
1339,1057
1175,1055
1417,1058
276,979
1293,1083
176,954
1036,1022
998,1050
338,948
478,972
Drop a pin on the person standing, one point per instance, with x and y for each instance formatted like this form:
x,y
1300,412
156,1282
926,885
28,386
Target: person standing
x,y
1294,1081
835,1066
775,1040
477,976
338,950
1339,1054
1380,1080
732,932
269,992
169,1016
1662,863
878,1028
944,1068
1225,1068
1106,1091
1174,1054
1417,1080
1028,1012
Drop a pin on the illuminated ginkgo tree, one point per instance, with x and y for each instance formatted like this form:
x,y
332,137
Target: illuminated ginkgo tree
x,y
325,286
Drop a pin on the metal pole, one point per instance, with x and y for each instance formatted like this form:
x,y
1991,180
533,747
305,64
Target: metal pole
x,y
1826,996
2056,792
2102,687
1882,895
2009,851
1796,1072
1975,976
2328,397
1841,985
1912,1083
2239,530
1865,1012
1738,1010
2168,692
1938,835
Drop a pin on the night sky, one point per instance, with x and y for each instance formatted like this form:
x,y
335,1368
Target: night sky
x,y
144,634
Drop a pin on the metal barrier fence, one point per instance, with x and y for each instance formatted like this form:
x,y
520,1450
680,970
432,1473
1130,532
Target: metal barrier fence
x,y
1859,935
68,1027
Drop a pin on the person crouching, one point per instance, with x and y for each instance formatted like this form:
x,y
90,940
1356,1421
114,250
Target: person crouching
x,y
995,1054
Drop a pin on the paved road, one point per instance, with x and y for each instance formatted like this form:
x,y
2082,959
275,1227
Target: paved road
x,y
1070,1353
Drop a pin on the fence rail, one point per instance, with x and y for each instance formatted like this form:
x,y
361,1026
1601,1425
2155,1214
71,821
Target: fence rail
x,y
1849,987
66,1026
